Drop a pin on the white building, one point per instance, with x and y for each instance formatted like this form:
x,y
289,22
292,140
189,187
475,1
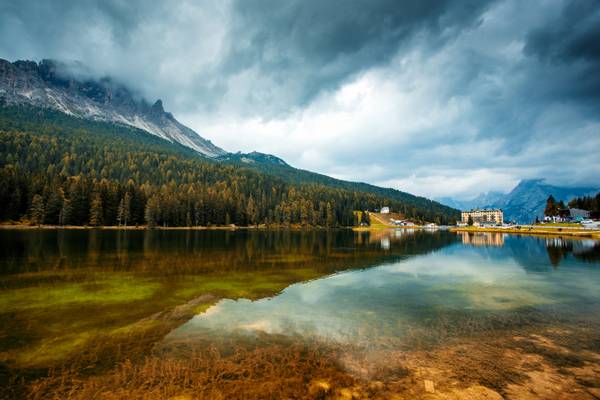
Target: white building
x,y
385,210
482,216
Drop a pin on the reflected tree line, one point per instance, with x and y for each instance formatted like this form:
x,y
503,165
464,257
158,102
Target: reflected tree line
x,y
557,248
199,251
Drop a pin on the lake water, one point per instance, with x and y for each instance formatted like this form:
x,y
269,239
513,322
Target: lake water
x,y
363,314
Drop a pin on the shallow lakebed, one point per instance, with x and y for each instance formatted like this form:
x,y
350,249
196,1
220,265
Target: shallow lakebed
x,y
292,314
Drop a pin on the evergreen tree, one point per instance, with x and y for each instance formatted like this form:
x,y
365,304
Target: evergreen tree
x,y
124,210
36,212
251,211
121,212
96,211
53,207
152,211
329,218
65,213
551,207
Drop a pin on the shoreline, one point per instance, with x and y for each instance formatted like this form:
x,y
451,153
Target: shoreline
x,y
524,231
536,231
8,226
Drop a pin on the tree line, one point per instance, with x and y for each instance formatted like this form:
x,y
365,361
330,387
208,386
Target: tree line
x,y
100,174
589,203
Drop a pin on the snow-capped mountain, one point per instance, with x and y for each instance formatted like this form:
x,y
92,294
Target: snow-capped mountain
x,y
49,84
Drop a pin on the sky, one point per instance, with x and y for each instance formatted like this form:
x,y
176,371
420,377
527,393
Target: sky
x,y
433,97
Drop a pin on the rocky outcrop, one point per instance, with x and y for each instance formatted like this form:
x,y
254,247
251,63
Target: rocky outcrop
x,y
69,89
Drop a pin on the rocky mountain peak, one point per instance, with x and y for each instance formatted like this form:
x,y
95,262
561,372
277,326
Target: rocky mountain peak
x,y
158,106
71,89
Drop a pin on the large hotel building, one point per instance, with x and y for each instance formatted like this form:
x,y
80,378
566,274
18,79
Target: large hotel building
x,y
483,216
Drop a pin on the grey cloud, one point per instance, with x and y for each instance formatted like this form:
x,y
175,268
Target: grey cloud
x,y
572,35
568,49
292,50
320,44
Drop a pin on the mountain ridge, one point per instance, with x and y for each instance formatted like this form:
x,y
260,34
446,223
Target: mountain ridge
x,y
524,202
50,84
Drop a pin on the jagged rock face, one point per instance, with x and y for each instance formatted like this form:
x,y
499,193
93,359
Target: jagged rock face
x,y
48,85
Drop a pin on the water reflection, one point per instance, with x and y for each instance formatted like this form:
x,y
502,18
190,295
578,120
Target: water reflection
x,y
83,298
559,248
456,288
483,238
62,291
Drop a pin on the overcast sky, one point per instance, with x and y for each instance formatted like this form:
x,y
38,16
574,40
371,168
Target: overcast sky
x,y
433,97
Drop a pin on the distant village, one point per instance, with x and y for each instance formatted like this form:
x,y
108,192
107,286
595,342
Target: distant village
x,y
554,213
584,212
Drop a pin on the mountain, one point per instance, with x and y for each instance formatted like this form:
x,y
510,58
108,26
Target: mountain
x,y
38,97
481,201
524,202
528,199
52,85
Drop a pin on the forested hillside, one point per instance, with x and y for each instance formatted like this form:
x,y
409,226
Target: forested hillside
x,y
271,165
56,169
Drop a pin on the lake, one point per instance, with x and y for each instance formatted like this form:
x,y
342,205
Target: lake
x,y
297,314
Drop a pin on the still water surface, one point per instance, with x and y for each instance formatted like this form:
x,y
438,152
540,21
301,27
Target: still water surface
x,y
68,293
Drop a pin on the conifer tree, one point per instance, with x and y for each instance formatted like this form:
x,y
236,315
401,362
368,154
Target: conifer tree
x,y
36,212
53,206
329,216
96,211
551,207
66,210
152,211
120,212
251,211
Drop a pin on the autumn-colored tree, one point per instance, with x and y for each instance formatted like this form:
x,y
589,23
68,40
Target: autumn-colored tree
x,y
124,210
96,210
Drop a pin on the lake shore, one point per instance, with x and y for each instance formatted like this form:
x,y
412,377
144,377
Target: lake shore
x,y
21,226
534,231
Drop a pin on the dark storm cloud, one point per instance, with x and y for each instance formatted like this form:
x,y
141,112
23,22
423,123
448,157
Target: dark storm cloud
x,y
568,48
319,44
573,35
297,48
